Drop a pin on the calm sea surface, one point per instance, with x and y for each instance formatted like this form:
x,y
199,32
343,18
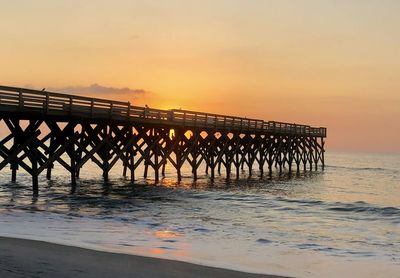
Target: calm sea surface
x,y
340,222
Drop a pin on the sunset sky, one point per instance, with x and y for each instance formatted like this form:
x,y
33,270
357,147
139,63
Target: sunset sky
x,y
324,63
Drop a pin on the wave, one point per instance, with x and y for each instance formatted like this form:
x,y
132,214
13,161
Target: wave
x,y
377,169
356,207
335,251
384,211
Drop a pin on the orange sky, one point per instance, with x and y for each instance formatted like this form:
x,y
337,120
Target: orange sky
x,y
326,63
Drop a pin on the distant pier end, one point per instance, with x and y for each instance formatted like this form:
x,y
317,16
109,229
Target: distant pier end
x,y
72,130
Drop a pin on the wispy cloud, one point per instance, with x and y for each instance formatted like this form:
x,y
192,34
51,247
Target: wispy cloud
x,y
96,89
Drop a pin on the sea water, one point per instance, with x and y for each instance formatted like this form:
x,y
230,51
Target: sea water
x,y
343,221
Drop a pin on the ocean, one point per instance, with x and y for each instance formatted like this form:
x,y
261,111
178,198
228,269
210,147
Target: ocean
x,y
343,221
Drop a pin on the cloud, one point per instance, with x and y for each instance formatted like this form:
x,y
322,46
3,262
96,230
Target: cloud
x,y
97,89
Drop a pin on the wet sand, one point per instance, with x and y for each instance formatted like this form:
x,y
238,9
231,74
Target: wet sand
x,y
28,258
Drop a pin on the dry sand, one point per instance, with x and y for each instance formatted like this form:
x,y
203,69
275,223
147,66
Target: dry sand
x,y
28,258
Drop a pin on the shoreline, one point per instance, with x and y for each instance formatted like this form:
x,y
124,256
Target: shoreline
x,y
31,258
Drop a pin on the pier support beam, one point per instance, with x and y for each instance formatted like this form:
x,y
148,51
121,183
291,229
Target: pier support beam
x,y
153,146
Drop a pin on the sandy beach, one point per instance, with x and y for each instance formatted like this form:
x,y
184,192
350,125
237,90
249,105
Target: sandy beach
x,y
28,258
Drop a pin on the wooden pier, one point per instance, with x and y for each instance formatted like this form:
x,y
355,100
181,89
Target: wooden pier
x,y
46,128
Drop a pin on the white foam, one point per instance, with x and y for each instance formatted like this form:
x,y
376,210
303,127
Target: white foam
x,y
232,253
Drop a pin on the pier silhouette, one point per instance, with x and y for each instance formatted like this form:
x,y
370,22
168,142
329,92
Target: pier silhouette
x,y
72,130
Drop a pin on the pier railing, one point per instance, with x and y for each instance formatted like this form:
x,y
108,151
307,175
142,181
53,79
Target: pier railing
x,y
23,100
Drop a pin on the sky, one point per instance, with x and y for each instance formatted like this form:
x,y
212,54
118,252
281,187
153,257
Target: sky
x,y
325,63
